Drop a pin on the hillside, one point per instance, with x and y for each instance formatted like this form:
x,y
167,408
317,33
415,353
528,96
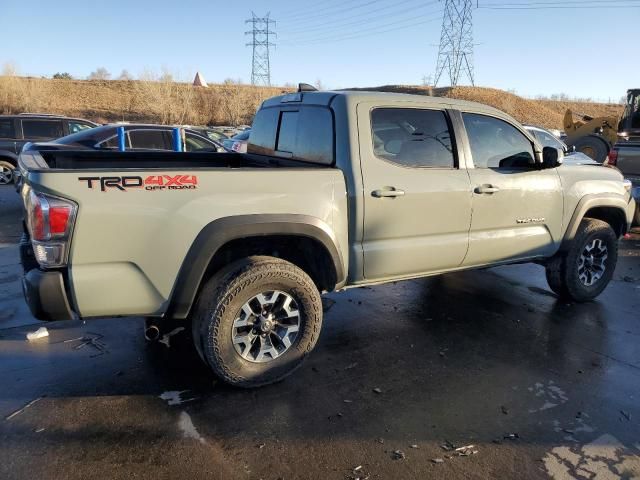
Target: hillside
x,y
231,103
546,113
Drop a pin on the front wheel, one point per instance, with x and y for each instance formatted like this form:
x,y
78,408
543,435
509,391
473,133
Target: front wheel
x,y
257,320
582,273
6,172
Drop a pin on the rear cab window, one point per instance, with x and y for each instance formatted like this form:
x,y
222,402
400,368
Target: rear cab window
x,y
300,132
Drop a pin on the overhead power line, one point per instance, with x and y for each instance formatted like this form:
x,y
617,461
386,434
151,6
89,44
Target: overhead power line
x,y
381,19
367,32
305,11
585,4
333,11
333,24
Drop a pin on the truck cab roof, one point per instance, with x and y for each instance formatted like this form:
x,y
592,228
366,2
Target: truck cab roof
x,y
357,96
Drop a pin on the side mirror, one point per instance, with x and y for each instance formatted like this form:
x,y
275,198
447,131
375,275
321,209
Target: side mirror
x,y
552,157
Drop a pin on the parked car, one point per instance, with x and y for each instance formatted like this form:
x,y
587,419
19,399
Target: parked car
x,y
548,139
212,133
17,130
137,137
337,190
238,143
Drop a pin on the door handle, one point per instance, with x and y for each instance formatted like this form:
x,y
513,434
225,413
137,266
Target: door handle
x,y
488,189
387,192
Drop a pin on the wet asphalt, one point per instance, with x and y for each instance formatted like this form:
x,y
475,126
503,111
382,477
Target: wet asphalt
x,y
402,375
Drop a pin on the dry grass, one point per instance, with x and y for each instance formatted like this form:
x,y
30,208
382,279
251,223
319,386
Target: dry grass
x,y
546,113
160,100
150,100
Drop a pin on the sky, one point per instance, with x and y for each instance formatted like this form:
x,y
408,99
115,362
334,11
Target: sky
x,y
582,52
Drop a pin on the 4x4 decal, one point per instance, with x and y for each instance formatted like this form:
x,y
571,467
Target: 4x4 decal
x,y
151,182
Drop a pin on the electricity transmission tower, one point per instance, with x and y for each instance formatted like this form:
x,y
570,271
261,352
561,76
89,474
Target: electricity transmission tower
x,y
260,33
455,55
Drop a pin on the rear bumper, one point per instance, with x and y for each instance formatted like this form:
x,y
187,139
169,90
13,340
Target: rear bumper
x,y
43,291
45,294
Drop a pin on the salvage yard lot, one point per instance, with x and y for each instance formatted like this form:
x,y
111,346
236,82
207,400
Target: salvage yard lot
x,y
488,358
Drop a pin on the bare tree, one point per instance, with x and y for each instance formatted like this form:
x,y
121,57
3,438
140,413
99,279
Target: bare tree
x,y
125,75
100,73
9,69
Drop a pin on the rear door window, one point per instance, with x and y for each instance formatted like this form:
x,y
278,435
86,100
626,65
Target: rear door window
x,y
42,129
412,137
7,128
150,139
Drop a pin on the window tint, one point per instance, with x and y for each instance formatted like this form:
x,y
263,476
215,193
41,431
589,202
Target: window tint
x,y
288,132
304,134
497,144
547,139
42,129
150,139
193,143
412,137
263,132
75,127
7,129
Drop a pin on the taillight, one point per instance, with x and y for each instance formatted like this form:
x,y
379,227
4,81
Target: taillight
x,y
612,158
50,220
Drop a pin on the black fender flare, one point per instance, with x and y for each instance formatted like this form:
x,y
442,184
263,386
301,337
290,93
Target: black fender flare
x,y
219,232
598,200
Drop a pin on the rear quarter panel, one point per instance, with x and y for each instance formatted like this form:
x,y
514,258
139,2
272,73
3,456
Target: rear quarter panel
x,y
128,246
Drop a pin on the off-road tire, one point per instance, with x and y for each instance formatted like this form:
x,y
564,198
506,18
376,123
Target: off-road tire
x,y
556,269
562,270
220,301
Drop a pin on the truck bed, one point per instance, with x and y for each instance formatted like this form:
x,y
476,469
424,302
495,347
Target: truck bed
x,y
139,213
99,159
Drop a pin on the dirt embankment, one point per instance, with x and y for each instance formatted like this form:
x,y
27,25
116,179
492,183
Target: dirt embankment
x,y
546,113
231,103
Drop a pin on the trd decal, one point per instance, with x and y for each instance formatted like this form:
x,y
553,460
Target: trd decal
x,y
152,182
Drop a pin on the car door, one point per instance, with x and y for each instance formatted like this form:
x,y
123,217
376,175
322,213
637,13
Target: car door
x,y
417,195
517,206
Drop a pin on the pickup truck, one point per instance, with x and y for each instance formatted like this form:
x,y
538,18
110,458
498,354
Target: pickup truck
x,y
337,190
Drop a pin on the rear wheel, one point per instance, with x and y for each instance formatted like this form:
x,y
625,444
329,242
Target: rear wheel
x,y
593,146
6,172
583,272
256,321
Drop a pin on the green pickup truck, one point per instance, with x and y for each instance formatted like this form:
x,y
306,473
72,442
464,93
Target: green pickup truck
x,y
336,190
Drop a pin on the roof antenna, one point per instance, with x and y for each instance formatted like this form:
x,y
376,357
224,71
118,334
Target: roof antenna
x,y
305,87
